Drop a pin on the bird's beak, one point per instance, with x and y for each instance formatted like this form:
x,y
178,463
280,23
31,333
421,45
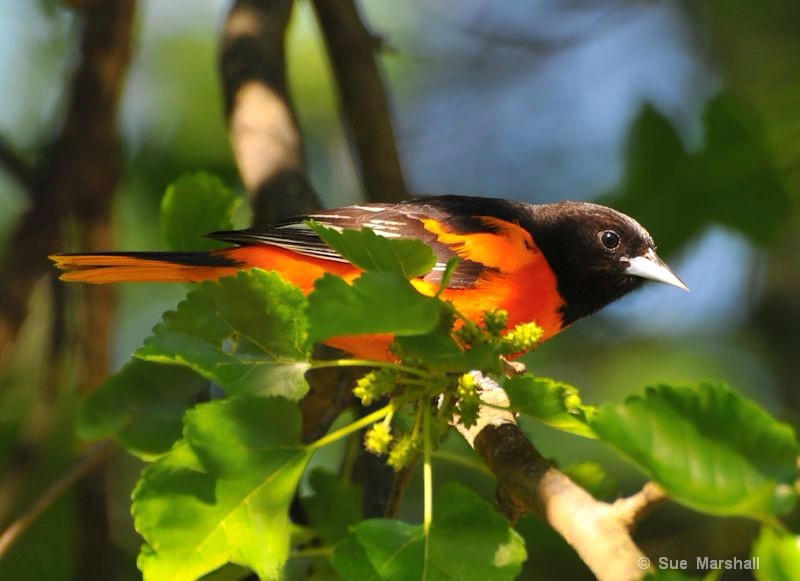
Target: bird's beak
x,y
651,267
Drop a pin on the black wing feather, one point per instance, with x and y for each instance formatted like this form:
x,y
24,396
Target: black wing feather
x,y
390,220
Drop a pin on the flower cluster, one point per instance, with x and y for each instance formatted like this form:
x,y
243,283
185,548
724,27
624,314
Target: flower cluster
x,y
523,338
446,391
494,333
378,438
405,448
374,385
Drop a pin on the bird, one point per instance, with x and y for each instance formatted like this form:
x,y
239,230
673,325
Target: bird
x,y
550,264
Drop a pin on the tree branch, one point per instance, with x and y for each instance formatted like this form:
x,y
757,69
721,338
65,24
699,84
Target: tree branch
x,y
363,98
106,49
82,169
93,459
77,179
598,531
262,126
632,509
17,167
267,145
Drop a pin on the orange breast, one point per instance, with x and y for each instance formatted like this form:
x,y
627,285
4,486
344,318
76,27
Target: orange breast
x,y
529,295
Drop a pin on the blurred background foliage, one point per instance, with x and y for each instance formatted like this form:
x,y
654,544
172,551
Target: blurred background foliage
x,y
683,114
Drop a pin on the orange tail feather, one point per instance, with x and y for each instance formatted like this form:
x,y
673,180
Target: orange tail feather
x,y
113,267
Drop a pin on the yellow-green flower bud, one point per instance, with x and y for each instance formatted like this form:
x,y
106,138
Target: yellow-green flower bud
x,y
523,337
402,452
378,438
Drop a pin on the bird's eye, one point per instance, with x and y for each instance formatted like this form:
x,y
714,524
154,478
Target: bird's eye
x,y
609,239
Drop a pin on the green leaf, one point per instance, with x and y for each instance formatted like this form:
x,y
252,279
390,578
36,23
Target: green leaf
x,y
376,302
351,561
468,540
737,162
247,333
551,402
141,407
594,478
194,205
708,447
663,179
334,507
778,555
223,493
407,257
447,274
383,549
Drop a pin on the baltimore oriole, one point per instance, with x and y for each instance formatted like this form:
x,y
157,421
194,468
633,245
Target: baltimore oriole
x,y
551,264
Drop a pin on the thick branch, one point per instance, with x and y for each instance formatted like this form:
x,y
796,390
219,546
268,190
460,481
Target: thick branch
x,y
599,532
106,47
363,98
262,125
268,148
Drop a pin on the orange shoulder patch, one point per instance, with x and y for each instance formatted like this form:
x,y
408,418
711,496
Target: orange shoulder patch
x,y
508,247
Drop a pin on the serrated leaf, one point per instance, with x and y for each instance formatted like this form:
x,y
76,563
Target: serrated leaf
x,y
141,407
247,333
778,555
194,205
708,447
376,302
407,257
223,494
552,402
334,507
468,540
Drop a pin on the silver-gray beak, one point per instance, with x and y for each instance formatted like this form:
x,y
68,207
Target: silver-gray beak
x,y
651,267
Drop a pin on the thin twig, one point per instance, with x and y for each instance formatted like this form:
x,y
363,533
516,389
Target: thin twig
x,y
631,509
400,483
598,531
92,460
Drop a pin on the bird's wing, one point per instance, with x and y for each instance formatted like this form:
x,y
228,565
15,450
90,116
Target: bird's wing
x,y
482,241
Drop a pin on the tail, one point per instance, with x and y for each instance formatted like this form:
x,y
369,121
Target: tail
x,y
108,267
